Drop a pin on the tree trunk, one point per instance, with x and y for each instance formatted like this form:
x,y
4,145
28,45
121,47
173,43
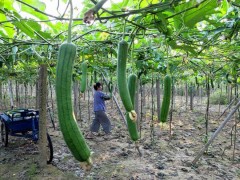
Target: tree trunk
x,y
50,108
207,108
143,95
236,120
43,115
25,95
4,96
141,110
79,106
152,120
31,96
20,94
228,93
10,93
1,95
158,98
137,99
88,93
231,93
219,103
174,95
181,94
171,109
37,94
186,94
191,97
17,93
200,94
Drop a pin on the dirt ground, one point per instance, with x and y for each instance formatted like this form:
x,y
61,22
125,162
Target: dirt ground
x,y
161,157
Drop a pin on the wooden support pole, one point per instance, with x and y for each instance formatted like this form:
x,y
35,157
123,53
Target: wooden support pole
x,y
228,118
43,115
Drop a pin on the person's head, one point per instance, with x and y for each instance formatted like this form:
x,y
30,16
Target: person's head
x,y
97,86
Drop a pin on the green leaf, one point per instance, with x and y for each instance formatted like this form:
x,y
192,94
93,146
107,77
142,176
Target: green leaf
x,y
195,15
183,47
7,29
119,5
34,25
2,33
24,28
8,4
161,23
124,3
225,6
2,17
237,1
45,35
37,4
1,4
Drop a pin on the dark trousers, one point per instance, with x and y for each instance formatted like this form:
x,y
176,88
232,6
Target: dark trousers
x,y
101,119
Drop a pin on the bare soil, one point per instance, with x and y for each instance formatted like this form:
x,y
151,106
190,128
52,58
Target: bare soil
x,y
162,156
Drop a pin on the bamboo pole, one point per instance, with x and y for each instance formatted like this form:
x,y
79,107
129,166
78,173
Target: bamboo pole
x,y
228,118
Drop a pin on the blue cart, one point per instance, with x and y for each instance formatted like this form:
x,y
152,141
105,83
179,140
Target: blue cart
x,y
22,123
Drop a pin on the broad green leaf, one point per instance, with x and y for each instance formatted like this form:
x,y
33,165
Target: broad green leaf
x,y
119,5
162,22
225,6
2,17
8,4
143,4
3,32
34,25
1,4
192,16
37,4
45,35
24,28
124,3
9,27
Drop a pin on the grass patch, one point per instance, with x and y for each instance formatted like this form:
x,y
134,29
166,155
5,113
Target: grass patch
x,y
32,170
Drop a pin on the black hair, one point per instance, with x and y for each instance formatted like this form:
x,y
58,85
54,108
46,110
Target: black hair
x,y
97,85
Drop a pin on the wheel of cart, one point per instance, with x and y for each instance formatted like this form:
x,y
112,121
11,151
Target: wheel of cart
x,y
50,149
22,123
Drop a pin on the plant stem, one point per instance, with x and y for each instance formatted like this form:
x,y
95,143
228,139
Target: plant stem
x,y
69,40
98,5
124,29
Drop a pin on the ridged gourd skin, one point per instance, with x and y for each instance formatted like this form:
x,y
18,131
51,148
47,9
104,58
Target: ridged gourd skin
x,y
166,99
212,84
196,80
132,125
84,77
121,75
228,80
67,121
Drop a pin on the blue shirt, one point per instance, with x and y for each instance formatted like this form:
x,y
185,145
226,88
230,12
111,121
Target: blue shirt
x,y
99,102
